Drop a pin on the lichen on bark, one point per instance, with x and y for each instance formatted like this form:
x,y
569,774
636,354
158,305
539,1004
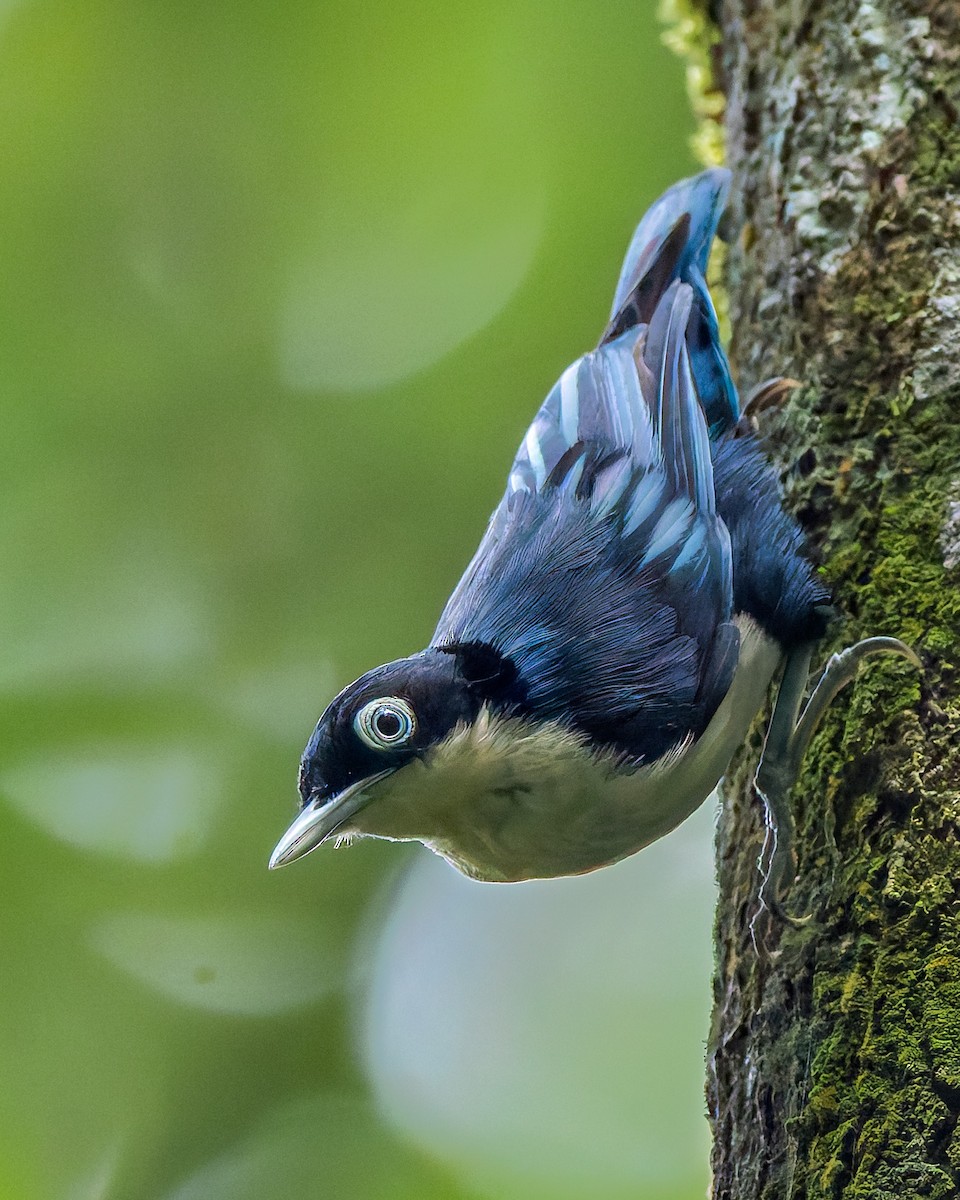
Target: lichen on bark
x,y
835,1052
691,33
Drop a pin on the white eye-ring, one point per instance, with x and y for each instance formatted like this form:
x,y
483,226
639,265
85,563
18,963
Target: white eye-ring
x,y
386,723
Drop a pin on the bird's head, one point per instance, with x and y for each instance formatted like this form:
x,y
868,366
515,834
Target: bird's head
x,y
386,720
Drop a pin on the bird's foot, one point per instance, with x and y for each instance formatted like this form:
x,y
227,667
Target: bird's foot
x,y
788,738
769,394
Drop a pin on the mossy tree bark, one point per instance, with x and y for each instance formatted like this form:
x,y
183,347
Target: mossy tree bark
x,y
835,1053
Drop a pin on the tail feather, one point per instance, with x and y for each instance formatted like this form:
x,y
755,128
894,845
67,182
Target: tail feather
x,y
672,242
701,199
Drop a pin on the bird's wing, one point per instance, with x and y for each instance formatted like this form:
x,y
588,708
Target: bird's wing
x,y
605,573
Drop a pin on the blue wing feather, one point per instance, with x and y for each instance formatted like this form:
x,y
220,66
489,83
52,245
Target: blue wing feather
x,y
609,519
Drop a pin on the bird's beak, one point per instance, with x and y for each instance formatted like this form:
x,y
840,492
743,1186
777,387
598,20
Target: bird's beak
x,y
319,818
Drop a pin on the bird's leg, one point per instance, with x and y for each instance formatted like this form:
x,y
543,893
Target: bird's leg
x,y
788,737
776,773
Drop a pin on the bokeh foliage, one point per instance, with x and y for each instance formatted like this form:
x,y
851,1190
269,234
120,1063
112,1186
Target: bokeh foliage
x,y
280,288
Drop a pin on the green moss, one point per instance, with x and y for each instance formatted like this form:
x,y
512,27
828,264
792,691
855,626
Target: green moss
x,y
862,1063
693,36
880,1023
937,152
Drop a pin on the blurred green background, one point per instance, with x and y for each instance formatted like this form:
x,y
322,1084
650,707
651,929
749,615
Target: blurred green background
x,y
281,287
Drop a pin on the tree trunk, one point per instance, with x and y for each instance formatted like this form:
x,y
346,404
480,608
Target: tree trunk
x,y
835,1052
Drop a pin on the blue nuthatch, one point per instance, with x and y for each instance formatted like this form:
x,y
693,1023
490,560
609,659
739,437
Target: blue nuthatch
x,y
614,637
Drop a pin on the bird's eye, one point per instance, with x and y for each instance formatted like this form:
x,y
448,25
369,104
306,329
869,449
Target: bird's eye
x,y
385,724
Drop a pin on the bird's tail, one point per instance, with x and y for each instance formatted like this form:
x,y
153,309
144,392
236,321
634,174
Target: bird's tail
x,y
672,242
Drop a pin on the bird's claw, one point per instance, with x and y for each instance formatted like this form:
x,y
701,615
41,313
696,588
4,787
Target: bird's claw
x,y
788,738
768,394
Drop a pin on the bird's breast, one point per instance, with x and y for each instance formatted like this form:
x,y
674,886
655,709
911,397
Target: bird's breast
x,y
505,799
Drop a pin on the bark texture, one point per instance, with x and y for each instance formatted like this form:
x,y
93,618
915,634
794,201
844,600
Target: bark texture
x,y
835,1054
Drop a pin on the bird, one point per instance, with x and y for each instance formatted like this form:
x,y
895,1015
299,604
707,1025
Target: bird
x,y
607,650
